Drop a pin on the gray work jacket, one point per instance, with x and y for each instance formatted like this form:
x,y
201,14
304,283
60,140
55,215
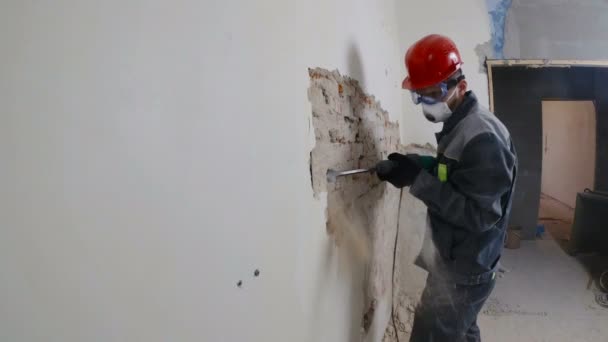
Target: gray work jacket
x,y
468,196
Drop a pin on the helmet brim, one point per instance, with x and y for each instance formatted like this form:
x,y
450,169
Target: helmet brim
x,y
407,84
407,81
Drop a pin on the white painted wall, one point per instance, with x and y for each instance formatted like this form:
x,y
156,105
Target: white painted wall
x,y
154,153
467,23
557,29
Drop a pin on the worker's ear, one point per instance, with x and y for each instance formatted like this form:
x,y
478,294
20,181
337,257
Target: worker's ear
x,y
462,87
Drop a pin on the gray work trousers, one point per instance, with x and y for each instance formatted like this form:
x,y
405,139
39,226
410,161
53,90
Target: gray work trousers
x,y
447,312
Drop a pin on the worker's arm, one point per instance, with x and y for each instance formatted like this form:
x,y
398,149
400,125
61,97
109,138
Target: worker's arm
x,y
471,197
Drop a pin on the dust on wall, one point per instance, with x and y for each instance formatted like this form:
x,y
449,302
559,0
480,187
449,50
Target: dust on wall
x,y
352,131
409,279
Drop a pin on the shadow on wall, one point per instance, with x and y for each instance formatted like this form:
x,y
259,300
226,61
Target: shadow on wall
x,y
355,67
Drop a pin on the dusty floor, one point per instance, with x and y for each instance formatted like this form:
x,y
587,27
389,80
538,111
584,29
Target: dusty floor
x,y
546,295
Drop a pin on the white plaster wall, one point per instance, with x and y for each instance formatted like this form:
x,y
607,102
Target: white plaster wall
x,y
467,23
557,29
156,152
511,49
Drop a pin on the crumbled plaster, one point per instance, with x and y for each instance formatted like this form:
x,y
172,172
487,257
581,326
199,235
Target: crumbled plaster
x,y
409,279
352,131
402,318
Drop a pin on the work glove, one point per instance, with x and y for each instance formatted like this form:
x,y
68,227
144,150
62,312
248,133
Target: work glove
x,y
399,170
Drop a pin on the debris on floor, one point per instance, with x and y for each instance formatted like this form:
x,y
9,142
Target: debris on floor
x,y
544,297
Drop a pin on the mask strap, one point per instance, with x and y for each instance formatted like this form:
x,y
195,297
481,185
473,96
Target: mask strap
x,y
453,82
449,97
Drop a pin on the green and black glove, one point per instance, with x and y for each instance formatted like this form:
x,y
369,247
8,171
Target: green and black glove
x,y
401,170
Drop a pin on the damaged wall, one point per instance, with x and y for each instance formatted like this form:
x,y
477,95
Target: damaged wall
x,y
352,131
156,154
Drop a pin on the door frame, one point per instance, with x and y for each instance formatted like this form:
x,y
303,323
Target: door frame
x,y
524,212
536,63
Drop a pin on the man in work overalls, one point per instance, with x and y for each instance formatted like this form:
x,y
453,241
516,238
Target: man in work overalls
x,y
467,189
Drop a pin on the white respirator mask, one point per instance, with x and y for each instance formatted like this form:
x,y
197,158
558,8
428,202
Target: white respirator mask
x,y
438,112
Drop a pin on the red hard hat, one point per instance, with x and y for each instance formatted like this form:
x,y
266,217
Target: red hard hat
x,y
430,61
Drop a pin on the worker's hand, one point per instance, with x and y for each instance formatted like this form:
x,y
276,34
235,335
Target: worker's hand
x,y
399,170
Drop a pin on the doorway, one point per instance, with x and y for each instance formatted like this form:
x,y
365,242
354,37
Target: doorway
x,y
517,91
568,162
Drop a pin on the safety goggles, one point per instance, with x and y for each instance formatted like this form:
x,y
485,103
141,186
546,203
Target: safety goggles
x,y
439,94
